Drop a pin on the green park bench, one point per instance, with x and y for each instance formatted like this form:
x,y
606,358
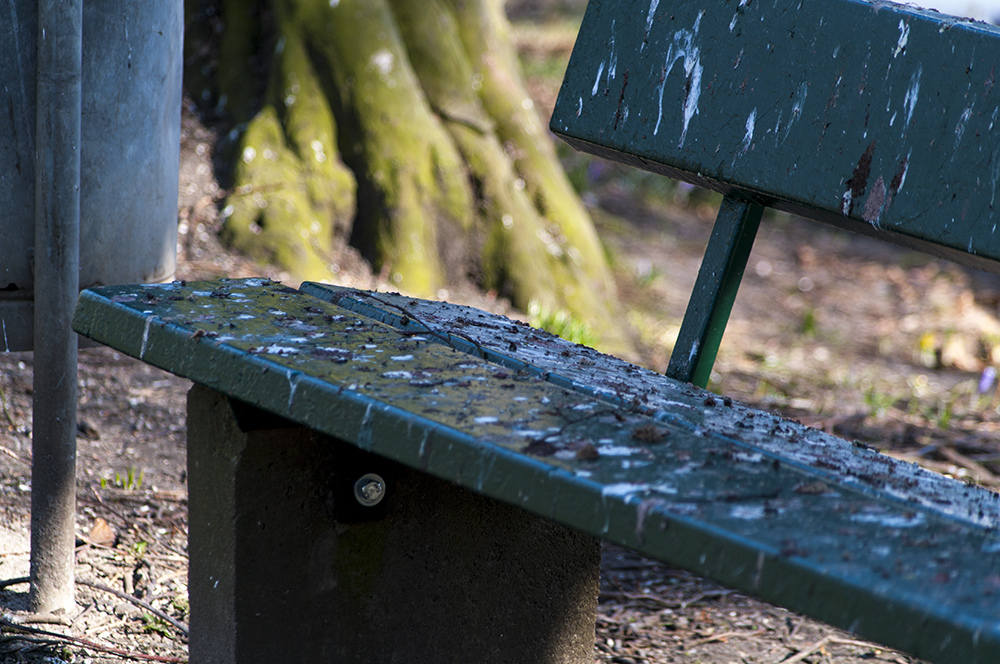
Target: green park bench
x,y
376,478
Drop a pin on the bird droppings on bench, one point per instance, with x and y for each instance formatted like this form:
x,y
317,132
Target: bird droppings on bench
x,y
617,382
624,454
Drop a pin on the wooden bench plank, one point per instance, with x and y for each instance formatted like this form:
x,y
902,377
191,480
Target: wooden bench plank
x,y
890,132
666,486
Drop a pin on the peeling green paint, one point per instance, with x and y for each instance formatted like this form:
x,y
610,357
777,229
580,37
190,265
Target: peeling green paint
x,y
891,133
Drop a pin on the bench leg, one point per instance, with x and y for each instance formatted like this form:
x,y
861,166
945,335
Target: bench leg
x,y
445,575
714,291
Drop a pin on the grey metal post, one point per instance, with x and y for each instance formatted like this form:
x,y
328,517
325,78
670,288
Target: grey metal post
x,y
57,260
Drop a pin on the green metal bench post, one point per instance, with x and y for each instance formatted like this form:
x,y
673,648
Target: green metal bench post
x,y
714,291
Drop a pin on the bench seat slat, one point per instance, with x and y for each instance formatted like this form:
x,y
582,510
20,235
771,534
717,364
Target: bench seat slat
x,y
663,482
618,382
892,132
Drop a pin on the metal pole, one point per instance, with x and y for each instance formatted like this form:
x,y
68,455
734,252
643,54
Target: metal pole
x,y
56,274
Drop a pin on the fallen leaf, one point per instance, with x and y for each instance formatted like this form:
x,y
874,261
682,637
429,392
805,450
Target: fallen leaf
x,y
102,534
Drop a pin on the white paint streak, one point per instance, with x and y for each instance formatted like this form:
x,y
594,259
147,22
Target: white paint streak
x,y
845,202
423,444
365,432
597,81
293,384
747,512
613,57
149,321
649,20
748,137
960,127
906,169
275,349
623,489
617,450
910,99
732,24
683,47
694,351
904,36
891,520
798,103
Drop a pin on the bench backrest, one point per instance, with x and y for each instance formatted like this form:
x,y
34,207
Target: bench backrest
x,y
871,116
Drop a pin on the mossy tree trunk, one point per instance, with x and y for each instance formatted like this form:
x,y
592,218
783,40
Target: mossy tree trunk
x,y
403,129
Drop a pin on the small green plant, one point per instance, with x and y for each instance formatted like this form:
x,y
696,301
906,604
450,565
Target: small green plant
x,y
944,415
139,548
156,625
181,605
561,323
809,327
130,481
646,274
878,403
5,411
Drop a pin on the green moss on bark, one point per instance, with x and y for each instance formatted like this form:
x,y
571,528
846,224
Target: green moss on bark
x,y
293,199
447,173
411,178
525,253
484,31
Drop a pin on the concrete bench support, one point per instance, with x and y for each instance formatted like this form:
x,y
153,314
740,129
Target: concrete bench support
x,y
445,575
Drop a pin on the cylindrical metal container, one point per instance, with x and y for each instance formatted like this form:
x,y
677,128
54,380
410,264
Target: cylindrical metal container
x,y
130,152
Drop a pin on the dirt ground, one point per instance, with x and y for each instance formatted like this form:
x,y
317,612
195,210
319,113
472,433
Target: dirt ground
x,y
869,341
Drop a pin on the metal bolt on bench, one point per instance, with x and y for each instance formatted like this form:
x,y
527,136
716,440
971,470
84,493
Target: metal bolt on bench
x,y
505,454
369,490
